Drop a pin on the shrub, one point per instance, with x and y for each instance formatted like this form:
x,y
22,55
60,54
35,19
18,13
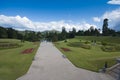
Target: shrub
x,y
74,44
85,46
78,44
87,42
9,45
117,48
65,40
103,43
110,48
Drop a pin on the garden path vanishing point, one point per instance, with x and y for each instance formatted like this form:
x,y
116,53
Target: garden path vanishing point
x,y
49,64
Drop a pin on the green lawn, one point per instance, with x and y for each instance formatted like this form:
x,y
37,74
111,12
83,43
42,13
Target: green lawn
x,y
13,64
91,59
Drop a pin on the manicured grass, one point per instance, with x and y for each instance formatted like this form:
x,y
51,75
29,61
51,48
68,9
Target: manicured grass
x,y
13,63
91,59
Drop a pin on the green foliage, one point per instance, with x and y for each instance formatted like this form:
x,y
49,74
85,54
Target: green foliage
x,y
87,42
108,39
79,44
9,45
111,48
65,40
3,32
64,33
104,43
105,27
108,48
86,46
22,35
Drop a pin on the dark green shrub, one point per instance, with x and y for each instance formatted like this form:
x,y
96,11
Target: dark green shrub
x,y
110,48
74,44
117,48
9,45
85,46
79,44
87,42
104,43
65,40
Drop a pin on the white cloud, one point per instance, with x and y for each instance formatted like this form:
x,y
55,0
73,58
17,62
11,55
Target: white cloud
x,y
116,2
96,19
113,16
23,23
16,22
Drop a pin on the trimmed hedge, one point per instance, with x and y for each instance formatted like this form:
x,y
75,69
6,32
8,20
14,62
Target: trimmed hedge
x,y
9,45
110,48
79,44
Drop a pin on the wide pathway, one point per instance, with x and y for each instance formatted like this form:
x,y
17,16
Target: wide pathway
x,y
50,64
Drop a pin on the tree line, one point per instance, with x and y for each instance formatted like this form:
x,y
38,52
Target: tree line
x,y
56,35
63,35
22,35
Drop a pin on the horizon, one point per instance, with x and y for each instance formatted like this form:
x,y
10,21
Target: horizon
x,y
41,15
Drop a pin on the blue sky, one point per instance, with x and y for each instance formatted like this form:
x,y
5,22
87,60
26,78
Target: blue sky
x,y
68,13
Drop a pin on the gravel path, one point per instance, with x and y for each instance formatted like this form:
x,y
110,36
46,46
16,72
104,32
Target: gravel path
x,y
50,64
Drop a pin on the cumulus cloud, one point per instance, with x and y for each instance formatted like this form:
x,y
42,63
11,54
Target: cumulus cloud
x,y
96,19
23,23
114,18
16,22
115,2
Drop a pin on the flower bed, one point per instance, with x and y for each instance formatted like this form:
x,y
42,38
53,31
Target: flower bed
x,y
27,51
65,49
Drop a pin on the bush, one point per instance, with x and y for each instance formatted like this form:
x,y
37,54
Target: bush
x,y
74,44
87,42
117,48
104,43
110,48
65,40
78,44
85,46
9,45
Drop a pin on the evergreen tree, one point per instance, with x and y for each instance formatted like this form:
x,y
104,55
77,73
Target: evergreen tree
x,y
64,33
80,33
105,29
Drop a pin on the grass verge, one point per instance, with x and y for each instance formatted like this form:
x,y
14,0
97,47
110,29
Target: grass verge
x,y
13,64
91,59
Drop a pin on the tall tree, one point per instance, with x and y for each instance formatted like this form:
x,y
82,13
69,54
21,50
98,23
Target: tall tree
x,y
74,32
64,33
105,29
92,31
